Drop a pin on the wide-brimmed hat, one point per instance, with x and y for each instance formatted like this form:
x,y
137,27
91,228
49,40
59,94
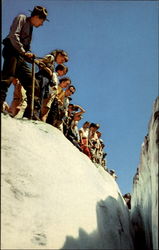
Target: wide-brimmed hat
x,y
40,11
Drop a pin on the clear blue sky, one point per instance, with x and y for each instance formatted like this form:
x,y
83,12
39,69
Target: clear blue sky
x,y
113,50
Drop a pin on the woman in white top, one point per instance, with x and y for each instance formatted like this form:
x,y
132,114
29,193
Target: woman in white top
x,y
84,133
74,124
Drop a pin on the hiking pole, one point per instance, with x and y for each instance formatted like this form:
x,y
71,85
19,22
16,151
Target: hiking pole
x,y
33,86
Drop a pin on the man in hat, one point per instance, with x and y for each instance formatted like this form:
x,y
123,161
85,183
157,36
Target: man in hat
x,y
16,53
92,139
59,108
112,172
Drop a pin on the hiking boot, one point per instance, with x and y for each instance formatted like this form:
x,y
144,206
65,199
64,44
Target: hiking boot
x,y
36,116
36,112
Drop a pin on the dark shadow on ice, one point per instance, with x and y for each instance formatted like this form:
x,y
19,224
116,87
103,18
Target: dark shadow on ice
x,y
112,232
139,237
82,242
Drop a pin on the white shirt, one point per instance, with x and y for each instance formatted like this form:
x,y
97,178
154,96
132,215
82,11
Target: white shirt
x,y
85,132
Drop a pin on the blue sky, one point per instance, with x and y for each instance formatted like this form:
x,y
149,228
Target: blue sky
x,y
113,50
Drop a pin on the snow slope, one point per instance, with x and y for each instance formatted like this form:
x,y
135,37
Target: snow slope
x,y
53,196
144,212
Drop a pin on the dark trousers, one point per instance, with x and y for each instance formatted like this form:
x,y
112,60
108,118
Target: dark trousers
x,y
15,66
44,83
53,115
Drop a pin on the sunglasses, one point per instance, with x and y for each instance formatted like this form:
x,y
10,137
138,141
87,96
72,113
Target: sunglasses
x,y
71,91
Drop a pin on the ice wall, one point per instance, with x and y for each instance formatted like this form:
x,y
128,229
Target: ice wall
x,y
53,197
144,212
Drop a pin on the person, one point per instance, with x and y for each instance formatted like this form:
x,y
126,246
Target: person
x,y
84,132
47,78
44,75
92,139
57,56
98,154
103,156
112,173
48,74
16,53
136,177
19,102
60,56
58,93
49,96
59,109
64,83
64,106
68,119
127,198
73,134
61,70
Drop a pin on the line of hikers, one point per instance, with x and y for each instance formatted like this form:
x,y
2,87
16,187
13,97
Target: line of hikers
x,y
57,110
53,90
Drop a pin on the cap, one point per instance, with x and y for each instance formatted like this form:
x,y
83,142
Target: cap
x,y
40,11
97,125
